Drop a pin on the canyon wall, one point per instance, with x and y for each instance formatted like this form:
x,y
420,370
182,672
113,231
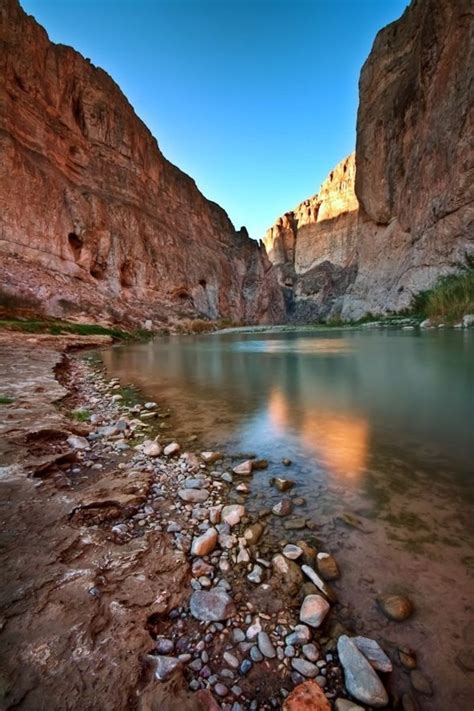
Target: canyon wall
x,y
407,213
95,222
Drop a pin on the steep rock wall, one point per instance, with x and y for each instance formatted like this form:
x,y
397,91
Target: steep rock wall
x,y
314,247
414,181
94,219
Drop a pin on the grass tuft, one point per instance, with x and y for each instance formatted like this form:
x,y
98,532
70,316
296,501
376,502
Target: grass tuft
x,y
451,298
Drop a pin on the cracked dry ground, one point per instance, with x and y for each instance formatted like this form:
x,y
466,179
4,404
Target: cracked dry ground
x,y
74,606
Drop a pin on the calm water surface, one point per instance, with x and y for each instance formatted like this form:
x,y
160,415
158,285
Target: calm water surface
x,y
378,424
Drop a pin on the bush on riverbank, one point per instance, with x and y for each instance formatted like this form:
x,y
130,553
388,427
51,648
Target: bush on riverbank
x,y
449,300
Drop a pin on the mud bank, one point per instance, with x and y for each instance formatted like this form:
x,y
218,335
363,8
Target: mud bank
x,y
134,577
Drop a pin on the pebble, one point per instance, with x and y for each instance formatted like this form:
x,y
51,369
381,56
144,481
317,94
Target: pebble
x,y
165,666
265,645
255,576
151,449
300,635
253,533
305,668
311,652
292,552
210,457
346,705
283,507
221,689
172,449
256,654
231,660
327,566
244,469
314,610
164,646
232,514
396,607
211,605
193,496
77,442
245,667
282,484
205,544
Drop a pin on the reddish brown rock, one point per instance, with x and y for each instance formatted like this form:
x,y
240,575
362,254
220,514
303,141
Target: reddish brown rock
x,y
95,222
307,697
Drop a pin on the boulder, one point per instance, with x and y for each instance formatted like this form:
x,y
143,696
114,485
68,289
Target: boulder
x,y
373,653
193,496
232,514
360,679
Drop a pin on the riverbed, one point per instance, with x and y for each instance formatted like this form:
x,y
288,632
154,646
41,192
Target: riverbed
x,y
378,427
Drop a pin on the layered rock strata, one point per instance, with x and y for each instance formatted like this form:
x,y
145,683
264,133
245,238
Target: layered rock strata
x,y
94,219
414,181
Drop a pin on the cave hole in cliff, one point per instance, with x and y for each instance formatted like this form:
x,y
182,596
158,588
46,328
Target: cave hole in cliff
x,y
127,277
75,242
203,283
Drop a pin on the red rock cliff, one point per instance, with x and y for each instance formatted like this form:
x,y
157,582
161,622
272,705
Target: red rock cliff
x,y
414,178
94,219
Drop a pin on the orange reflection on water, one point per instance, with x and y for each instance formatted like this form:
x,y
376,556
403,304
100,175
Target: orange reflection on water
x,y
339,440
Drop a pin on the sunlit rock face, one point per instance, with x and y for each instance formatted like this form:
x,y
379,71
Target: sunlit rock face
x,y
94,219
314,247
413,176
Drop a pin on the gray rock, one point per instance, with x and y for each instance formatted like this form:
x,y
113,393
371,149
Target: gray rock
x,y
373,653
164,646
306,669
265,645
165,666
193,496
300,635
211,605
194,483
231,660
256,654
311,652
255,576
360,679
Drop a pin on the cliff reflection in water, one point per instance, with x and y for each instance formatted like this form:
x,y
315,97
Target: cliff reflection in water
x,y
338,401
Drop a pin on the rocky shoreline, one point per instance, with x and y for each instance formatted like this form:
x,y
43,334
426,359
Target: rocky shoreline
x,y
228,616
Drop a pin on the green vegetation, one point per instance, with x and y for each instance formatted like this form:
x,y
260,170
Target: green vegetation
x,y
81,415
6,400
449,300
57,328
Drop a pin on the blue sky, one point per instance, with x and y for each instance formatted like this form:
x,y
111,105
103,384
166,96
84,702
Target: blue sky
x,y
255,99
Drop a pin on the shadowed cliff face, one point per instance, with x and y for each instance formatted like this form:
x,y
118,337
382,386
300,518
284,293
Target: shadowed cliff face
x,y
95,219
409,218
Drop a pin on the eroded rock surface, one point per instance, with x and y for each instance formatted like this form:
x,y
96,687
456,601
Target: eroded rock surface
x,y
389,223
96,221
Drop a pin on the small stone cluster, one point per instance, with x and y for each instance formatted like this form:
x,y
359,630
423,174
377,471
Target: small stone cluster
x,y
258,625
